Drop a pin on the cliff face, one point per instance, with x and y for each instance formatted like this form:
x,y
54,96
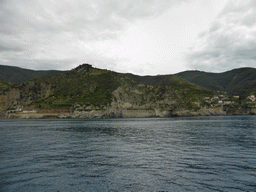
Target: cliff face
x,y
87,92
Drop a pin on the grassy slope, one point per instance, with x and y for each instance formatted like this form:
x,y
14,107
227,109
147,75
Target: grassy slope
x,y
182,91
238,81
86,85
4,86
19,75
185,88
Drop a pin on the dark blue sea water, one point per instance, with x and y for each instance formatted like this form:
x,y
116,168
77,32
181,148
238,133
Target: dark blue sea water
x,y
154,154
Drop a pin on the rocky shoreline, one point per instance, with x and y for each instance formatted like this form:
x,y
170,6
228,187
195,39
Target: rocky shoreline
x,y
124,113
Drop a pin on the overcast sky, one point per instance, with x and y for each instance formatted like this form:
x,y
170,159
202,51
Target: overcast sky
x,y
144,37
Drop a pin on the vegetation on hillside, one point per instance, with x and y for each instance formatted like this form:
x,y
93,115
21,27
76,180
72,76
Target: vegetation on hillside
x,y
238,81
4,86
19,75
88,88
84,85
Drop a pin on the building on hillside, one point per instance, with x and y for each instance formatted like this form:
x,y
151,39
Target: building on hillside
x,y
29,111
227,102
215,97
251,97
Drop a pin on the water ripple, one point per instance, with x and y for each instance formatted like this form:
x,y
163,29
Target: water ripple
x,y
179,154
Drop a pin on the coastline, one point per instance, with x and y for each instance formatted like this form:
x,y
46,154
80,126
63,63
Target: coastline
x,y
124,113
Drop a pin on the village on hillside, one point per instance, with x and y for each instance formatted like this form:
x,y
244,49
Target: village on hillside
x,y
223,99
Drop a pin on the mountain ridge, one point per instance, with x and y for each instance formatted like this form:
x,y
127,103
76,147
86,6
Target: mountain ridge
x,y
86,88
15,74
86,91
240,81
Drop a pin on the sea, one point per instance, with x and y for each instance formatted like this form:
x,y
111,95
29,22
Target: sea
x,y
136,154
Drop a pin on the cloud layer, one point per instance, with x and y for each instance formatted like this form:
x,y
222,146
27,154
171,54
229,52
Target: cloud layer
x,y
45,33
61,34
230,42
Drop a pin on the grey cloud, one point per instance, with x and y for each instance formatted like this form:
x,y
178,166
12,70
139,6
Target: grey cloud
x,y
32,27
57,16
248,54
6,47
229,42
142,8
42,64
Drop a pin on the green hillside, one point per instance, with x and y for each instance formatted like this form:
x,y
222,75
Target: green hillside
x,y
19,75
89,92
4,86
238,81
84,84
86,87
